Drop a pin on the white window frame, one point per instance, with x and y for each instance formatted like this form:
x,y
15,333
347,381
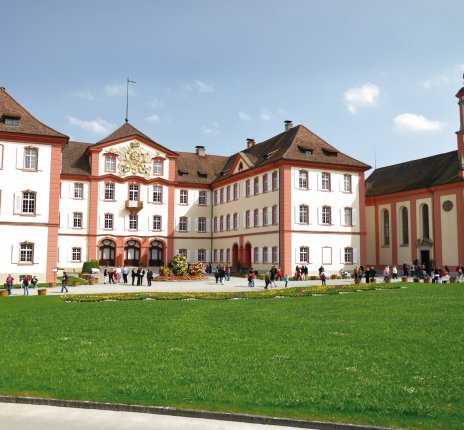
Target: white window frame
x,y
76,254
78,190
156,222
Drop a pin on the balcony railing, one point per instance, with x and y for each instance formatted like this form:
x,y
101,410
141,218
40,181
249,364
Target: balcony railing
x,y
134,205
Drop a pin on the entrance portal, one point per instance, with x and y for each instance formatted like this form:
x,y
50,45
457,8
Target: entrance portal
x,y
107,250
132,253
156,254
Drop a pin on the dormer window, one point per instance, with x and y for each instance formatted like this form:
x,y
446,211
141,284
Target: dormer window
x,y
240,167
183,173
329,152
305,150
202,174
11,120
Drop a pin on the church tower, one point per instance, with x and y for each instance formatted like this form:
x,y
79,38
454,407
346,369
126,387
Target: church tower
x,y
460,132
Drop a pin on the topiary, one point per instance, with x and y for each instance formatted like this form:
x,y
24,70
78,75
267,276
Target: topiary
x,y
89,265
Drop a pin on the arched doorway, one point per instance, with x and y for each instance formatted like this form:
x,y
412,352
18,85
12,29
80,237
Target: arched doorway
x,y
247,256
234,255
156,254
107,251
132,253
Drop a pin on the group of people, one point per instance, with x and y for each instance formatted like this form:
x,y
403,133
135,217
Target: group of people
x,y
118,275
222,273
270,278
26,281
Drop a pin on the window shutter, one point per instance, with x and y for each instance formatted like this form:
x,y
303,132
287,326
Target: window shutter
x,y
277,215
295,214
208,198
176,224
17,203
195,224
297,255
14,253
126,222
207,256
70,190
342,216
19,157
319,215
355,255
260,255
354,219
102,191
319,181
238,189
101,221
342,257
188,255
244,219
70,221
177,196
260,217
296,178
207,225
195,197
252,218
176,252
38,206
150,194
278,179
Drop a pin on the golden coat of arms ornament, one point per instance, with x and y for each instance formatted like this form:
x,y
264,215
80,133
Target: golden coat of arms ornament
x,y
133,159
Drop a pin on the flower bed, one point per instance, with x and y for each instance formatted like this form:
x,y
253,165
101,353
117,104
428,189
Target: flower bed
x,y
319,290
181,278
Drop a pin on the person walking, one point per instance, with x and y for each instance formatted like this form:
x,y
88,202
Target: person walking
x,y
267,280
64,282
119,273
9,283
323,278
105,276
133,275
111,276
25,285
149,276
395,272
125,271
286,280
34,281
367,275
222,274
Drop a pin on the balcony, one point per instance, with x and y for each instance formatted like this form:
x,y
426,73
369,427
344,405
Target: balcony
x,y
134,206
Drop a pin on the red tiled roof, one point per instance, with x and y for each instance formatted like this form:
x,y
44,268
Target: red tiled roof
x,y
27,123
126,130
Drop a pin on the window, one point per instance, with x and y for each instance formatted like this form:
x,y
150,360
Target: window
x,y
304,214
156,222
28,203
275,180
265,216
325,181
247,219
110,163
202,224
425,222
275,215
157,167
109,221
215,255
228,222
215,197
235,221
256,187
183,197
228,193
78,190
183,252
348,216
386,228
30,158
326,215
221,194
256,255
11,120
304,254
202,198
215,224
133,221
202,255
236,191
248,187
256,217
347,183
221,221
109,191
77,220
303,179
183,223
265,256
157,194
348,253
133,192
26,253
240,167
228,259
405,226
265,183
76,254
275,254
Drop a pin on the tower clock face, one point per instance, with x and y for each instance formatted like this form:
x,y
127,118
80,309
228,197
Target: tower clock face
x,y
447,205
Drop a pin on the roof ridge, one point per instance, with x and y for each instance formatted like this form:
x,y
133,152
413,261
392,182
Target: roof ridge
x,y
442,154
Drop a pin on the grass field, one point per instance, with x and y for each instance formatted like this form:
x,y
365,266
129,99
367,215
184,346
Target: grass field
x,y
392,357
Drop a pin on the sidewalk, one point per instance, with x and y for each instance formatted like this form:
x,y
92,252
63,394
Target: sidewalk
x,y
209,285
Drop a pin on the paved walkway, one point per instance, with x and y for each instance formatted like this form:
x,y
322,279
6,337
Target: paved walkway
x,y
209,285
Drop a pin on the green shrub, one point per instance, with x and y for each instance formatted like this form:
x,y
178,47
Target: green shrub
x,y
89,265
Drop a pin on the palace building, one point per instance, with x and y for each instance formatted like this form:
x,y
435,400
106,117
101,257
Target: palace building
x,y
128,200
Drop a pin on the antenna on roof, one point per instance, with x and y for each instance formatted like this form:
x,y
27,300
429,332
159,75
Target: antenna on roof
x,y
375,158
127,98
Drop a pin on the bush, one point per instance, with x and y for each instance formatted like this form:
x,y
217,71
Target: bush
x,y
89,265
178,265
164,271
196,268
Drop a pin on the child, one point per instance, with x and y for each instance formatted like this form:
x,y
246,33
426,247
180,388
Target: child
x,y
286,280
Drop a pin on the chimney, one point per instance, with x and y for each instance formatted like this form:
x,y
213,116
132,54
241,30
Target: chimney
x,y
288,125
200,150
250,143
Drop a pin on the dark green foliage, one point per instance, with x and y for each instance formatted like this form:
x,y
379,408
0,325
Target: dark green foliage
x,y
89,265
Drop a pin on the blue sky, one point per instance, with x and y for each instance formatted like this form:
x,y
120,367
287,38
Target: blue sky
x,y
369,77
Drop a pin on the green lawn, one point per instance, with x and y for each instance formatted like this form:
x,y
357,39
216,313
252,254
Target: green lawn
x,y
392,357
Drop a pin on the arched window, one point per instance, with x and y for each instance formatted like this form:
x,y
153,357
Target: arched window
x,y
425,222
404,226
386,228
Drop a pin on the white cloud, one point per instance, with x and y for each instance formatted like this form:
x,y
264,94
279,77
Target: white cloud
x,y
210,130
153,118
244,116
411,122
157,104
96,126
364,96
117,90
203,87
265,115
83,95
